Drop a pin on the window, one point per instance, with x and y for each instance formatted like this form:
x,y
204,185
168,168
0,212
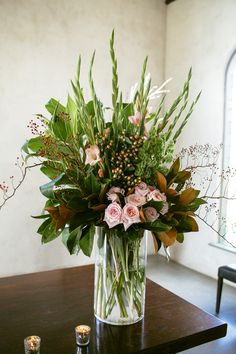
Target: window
x,y
228,209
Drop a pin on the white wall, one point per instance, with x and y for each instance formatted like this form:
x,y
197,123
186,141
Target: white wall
x,y
39,44
201,34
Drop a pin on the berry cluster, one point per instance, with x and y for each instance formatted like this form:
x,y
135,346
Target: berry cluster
x,y
123,156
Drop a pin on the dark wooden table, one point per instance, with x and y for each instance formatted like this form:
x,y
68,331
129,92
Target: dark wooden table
x,y
50,304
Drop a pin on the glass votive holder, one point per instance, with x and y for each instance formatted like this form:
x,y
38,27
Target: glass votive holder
x,y
82,334
32,345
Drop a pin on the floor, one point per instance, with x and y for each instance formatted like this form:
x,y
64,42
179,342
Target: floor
x,y
200,290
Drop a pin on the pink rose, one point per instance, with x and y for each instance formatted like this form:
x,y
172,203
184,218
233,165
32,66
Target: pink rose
x,y
130,215
136,119
156,195
151,214
142,189
92,155
112,193
113,215
165,208
135,199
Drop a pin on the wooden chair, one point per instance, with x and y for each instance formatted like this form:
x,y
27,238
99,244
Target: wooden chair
x,y
225,272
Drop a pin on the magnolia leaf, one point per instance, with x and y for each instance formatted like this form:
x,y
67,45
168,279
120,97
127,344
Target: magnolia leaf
x,y
60,215
174,169
188,195
83,218
156,226
170,192
169,237
196,204
86,240
44,216
71,240
77,204
187,224
182,176
161,181
44,225
48,231
184,213
48,189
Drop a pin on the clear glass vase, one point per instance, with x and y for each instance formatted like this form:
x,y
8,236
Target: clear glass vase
x,y
120,276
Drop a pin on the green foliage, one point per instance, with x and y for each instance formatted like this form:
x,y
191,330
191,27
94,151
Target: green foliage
x,y
84,155
151,157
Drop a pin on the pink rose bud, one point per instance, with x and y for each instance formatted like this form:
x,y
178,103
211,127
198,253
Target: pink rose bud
x,y
130,215
92,155
135,199
113,214
142,189
151,214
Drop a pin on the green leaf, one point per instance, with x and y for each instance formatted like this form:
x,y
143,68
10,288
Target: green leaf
x,y
60,124
49,171
91,184
78,204
86,240
71,239
182,176
54,105
48,231
71,109
187,224
90,108
174,169
156,226
43,226
35,144
83,219
193,206
25,147
180,237
44,216
48,189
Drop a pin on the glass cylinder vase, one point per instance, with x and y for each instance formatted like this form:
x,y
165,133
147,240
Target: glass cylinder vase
x,y
120,276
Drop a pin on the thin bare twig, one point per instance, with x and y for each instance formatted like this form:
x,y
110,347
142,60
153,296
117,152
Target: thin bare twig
x,y
24,172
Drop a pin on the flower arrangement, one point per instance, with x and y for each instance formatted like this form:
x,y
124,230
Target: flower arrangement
x,y
113,168
113,173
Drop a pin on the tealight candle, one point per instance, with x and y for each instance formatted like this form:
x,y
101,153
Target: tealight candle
x,y
82,333
32,345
